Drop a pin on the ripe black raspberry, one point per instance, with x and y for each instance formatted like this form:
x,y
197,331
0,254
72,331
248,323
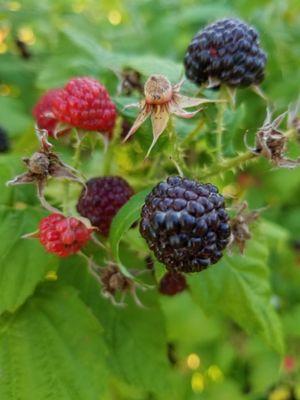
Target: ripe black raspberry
x,y
185,224
172,283
4,141
102,199
228,52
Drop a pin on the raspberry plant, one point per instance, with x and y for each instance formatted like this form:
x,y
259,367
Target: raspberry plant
x,y
150,253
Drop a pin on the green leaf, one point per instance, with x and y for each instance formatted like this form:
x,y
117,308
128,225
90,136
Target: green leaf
x,y
23,262
239,287
146,64
13,117
124,219
52,349
10,166
135,337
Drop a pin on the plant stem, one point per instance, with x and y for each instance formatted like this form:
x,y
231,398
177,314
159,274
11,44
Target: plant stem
x,y
177,155
77,153
194,132
229,164
220,128
107,159
76,163
66,200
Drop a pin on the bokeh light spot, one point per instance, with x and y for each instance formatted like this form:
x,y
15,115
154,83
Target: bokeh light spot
x,y
114,17
26,35
215,373
193,361
197,382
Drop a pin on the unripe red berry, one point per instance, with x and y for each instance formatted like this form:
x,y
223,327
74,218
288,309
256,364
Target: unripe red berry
x,y
84,103
63,235
43,113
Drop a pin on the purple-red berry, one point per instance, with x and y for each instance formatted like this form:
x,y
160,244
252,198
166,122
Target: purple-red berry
x,y
172,283
101,200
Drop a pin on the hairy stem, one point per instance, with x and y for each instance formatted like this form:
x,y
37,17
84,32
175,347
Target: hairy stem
x,y
75,165
229,164
177,155
108,159
220,128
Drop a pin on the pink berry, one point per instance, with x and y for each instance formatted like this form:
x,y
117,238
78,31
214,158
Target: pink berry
x,y
63,235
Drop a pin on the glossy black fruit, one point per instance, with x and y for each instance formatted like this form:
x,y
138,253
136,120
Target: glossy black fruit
x,y
227,52
185,224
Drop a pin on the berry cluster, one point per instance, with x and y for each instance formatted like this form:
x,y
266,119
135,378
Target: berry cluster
x,y
63,236
185,223
228,52
101,200
83,103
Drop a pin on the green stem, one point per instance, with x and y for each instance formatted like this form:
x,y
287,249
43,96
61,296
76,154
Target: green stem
x,y
177,155
108,159
76,164
77,153
66,200
194,132
220,128
229,164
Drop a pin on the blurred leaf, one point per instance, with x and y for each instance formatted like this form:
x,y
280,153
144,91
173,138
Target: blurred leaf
x,y
239,286
146,64
23,262
135,337
10,166
52,348
13,116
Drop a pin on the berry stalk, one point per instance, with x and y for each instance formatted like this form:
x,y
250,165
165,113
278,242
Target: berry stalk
x,y
229,164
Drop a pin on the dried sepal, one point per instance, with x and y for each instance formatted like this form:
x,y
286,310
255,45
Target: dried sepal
x,y
129,81
240,226
114,282
271,143
161,101
41,166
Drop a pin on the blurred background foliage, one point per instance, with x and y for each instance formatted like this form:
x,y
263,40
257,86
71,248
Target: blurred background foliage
x,y
43,43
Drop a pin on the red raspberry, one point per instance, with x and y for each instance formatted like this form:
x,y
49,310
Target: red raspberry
x,y
43,114
102,199
172,283
63,235
85,103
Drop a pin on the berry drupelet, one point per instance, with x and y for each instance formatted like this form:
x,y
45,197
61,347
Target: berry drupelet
x,y
225,52
102,199
63,236
185,224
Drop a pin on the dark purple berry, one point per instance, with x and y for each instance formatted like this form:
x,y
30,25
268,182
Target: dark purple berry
x,y
172,283
186,232
101,200
227,52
